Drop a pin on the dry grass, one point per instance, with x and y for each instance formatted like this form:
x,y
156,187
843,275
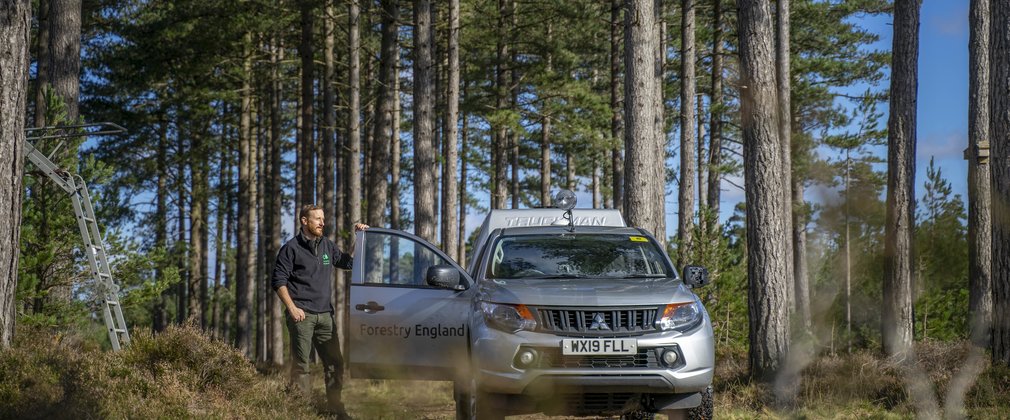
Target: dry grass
x,y
862,385
178,374
182,374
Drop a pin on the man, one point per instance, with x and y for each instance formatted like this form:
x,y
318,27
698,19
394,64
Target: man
x,y
303,279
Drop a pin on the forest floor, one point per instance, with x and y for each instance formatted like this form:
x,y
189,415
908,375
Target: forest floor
x,y
183,374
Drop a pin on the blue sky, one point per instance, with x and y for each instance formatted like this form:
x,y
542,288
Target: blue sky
x,y
942,124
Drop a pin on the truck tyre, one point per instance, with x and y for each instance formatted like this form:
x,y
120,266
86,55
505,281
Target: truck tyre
x,y
703,411
473,404
706,410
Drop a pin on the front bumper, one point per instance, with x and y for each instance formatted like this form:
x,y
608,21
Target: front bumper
x,y
494,352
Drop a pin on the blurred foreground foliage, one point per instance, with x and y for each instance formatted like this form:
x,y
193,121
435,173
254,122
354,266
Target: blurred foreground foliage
x,y
180,373
864,384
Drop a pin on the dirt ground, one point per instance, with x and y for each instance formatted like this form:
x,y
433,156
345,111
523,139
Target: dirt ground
x,y
415,400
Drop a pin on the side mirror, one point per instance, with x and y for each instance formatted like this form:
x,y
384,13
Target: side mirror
x,y
443,276
695,276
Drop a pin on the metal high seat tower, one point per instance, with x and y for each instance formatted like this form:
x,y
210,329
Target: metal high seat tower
x,y
94,245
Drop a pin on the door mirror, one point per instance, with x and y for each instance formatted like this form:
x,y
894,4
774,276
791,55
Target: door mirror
x,y
695,276
443,276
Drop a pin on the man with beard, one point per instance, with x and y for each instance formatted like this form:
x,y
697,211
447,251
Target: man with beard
x,y
303,279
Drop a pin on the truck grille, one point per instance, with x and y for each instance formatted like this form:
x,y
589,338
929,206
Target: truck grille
x,y
597,322
551,358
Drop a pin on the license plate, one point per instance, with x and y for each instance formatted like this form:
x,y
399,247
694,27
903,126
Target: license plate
x,y
599,346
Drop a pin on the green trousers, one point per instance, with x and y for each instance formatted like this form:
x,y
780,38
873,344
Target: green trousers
x,y
318,331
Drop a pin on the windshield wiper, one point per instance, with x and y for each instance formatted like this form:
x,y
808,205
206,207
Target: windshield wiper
x,y
558,276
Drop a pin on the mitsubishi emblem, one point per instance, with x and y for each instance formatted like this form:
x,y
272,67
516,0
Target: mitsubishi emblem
x,y
599,323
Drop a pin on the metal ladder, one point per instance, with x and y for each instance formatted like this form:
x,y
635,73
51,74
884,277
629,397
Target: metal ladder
x,y
94,245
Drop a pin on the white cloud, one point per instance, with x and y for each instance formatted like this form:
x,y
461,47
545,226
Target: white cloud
x,y
942,146
949,23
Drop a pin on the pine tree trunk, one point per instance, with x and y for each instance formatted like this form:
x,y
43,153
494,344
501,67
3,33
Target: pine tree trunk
x,y
353,171
464,132
498,152
766,182
424,104
596,184
545,162
306,156
715,120
180,231
514,105
450,186
41,63
660,99
644,151
616,120
260,276
275,204
64,69
899,273
219,247
329,125
197,218
800,275
265,295
782,74
685,200
14,29
160,315
319,160
545,133
331,207
370,90
383,126
395,157
299,163
848,254
371,93
702,191
245,263
65,52
979,192
230,234
219,226
1000,182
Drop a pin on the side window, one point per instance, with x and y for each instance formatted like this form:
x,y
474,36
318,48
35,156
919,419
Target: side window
x,y
396,260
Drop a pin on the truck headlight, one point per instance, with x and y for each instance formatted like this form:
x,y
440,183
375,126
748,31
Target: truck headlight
x,y
509,318
680,316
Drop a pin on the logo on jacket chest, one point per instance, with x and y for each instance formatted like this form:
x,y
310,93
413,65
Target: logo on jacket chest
x,y
326,259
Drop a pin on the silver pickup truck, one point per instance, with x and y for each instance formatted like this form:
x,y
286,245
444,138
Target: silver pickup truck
x,y
557,312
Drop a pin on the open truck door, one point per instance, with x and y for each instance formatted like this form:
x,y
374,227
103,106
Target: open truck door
x,y
400,324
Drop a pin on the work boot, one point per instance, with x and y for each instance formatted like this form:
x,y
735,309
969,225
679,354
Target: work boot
x,y
302,382
337,412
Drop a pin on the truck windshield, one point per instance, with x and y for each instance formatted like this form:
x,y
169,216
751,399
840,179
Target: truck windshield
x,y
588,255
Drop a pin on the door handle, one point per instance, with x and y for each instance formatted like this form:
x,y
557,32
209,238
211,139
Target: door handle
x,y
370,307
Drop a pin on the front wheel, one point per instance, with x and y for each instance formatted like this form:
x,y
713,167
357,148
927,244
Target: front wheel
x,y
474,404
704,411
